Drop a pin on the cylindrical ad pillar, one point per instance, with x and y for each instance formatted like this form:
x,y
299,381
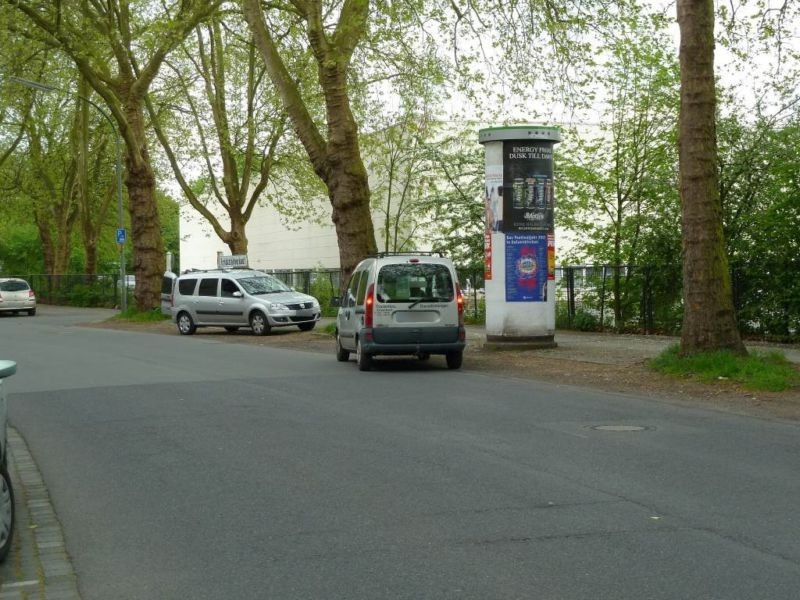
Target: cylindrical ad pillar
x,y
519,242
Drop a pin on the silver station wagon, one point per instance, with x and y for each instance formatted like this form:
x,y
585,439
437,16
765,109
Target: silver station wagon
x,y
16,296
239,298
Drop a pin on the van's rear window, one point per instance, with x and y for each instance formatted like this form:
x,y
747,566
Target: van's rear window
x,y
414,283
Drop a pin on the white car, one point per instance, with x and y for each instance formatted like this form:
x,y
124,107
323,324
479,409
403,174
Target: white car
x,y
16,296
7,368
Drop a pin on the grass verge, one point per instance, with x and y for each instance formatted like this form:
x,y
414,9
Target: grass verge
x,y
134,316
763,371
329,329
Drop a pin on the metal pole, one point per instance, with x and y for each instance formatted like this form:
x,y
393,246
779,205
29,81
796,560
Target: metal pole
x,y
44,87
121,221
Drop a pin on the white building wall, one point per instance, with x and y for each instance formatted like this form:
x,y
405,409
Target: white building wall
x,y
271,243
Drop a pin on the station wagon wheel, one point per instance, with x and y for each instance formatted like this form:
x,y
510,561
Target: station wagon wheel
x,y
6,514
342,355
454,359
186,325
31,312
363,359
259,323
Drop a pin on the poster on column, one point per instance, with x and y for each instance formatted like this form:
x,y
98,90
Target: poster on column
x,y
526,267
528,195
493,214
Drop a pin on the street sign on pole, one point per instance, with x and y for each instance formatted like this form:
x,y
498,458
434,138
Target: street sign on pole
x,y
121,236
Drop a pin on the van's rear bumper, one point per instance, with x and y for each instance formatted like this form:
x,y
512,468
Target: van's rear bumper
x,y
411,340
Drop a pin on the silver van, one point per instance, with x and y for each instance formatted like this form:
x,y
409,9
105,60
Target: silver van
x,y
239,298
399,303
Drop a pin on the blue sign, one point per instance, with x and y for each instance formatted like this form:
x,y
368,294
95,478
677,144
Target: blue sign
x,y
526,267
121,236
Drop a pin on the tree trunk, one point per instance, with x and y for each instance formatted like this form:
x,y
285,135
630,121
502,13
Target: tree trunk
x,y
148,248
337,160
63,246
345,175
46,239
90,249
709,321
349,196
237,239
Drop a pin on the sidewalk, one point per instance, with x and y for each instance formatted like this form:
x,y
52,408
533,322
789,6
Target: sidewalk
x,y
609,348
38,565
612,348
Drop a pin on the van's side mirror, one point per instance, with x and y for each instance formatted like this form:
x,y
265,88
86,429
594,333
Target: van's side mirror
x,y
336,302
237,294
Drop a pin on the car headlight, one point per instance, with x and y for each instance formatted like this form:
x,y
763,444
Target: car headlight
x,y
277,306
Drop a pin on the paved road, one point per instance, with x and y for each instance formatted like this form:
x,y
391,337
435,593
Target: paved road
x,y
187,468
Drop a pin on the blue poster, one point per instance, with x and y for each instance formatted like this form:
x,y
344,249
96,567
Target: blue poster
x,y
526,267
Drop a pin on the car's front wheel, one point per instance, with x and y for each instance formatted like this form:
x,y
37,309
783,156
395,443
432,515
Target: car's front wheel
x,y
259,323
186,325
363,359
342,355
307,326
6,514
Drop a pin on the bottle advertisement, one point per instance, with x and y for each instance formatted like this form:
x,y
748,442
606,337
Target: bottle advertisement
x,y
528,198
528,224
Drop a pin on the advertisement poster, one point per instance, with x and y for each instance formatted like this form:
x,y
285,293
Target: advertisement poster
x,y
494,199
526,267
487,255
493,208
527,195
551,256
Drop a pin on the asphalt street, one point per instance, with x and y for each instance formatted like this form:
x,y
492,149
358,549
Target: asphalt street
x,y
182,467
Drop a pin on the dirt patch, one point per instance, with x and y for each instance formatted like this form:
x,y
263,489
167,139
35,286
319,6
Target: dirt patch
x,y
610,363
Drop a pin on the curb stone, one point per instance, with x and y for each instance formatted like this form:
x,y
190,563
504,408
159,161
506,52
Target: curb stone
x,y
38,566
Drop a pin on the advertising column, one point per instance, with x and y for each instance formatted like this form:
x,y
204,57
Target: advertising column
x,y
519,241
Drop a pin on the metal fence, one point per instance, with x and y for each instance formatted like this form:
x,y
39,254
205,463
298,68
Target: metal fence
x,y
648,299
628,298
100,290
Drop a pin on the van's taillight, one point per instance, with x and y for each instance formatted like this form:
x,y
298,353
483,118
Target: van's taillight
x,y
460,302
369,304
31,294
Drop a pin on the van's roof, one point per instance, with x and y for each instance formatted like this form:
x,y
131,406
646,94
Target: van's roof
x,y
409,258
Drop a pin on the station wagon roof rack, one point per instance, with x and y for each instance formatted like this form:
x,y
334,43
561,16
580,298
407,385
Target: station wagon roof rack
x,y
226,270
419,253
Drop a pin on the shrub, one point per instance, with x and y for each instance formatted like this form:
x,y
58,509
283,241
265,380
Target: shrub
x,y
584,321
